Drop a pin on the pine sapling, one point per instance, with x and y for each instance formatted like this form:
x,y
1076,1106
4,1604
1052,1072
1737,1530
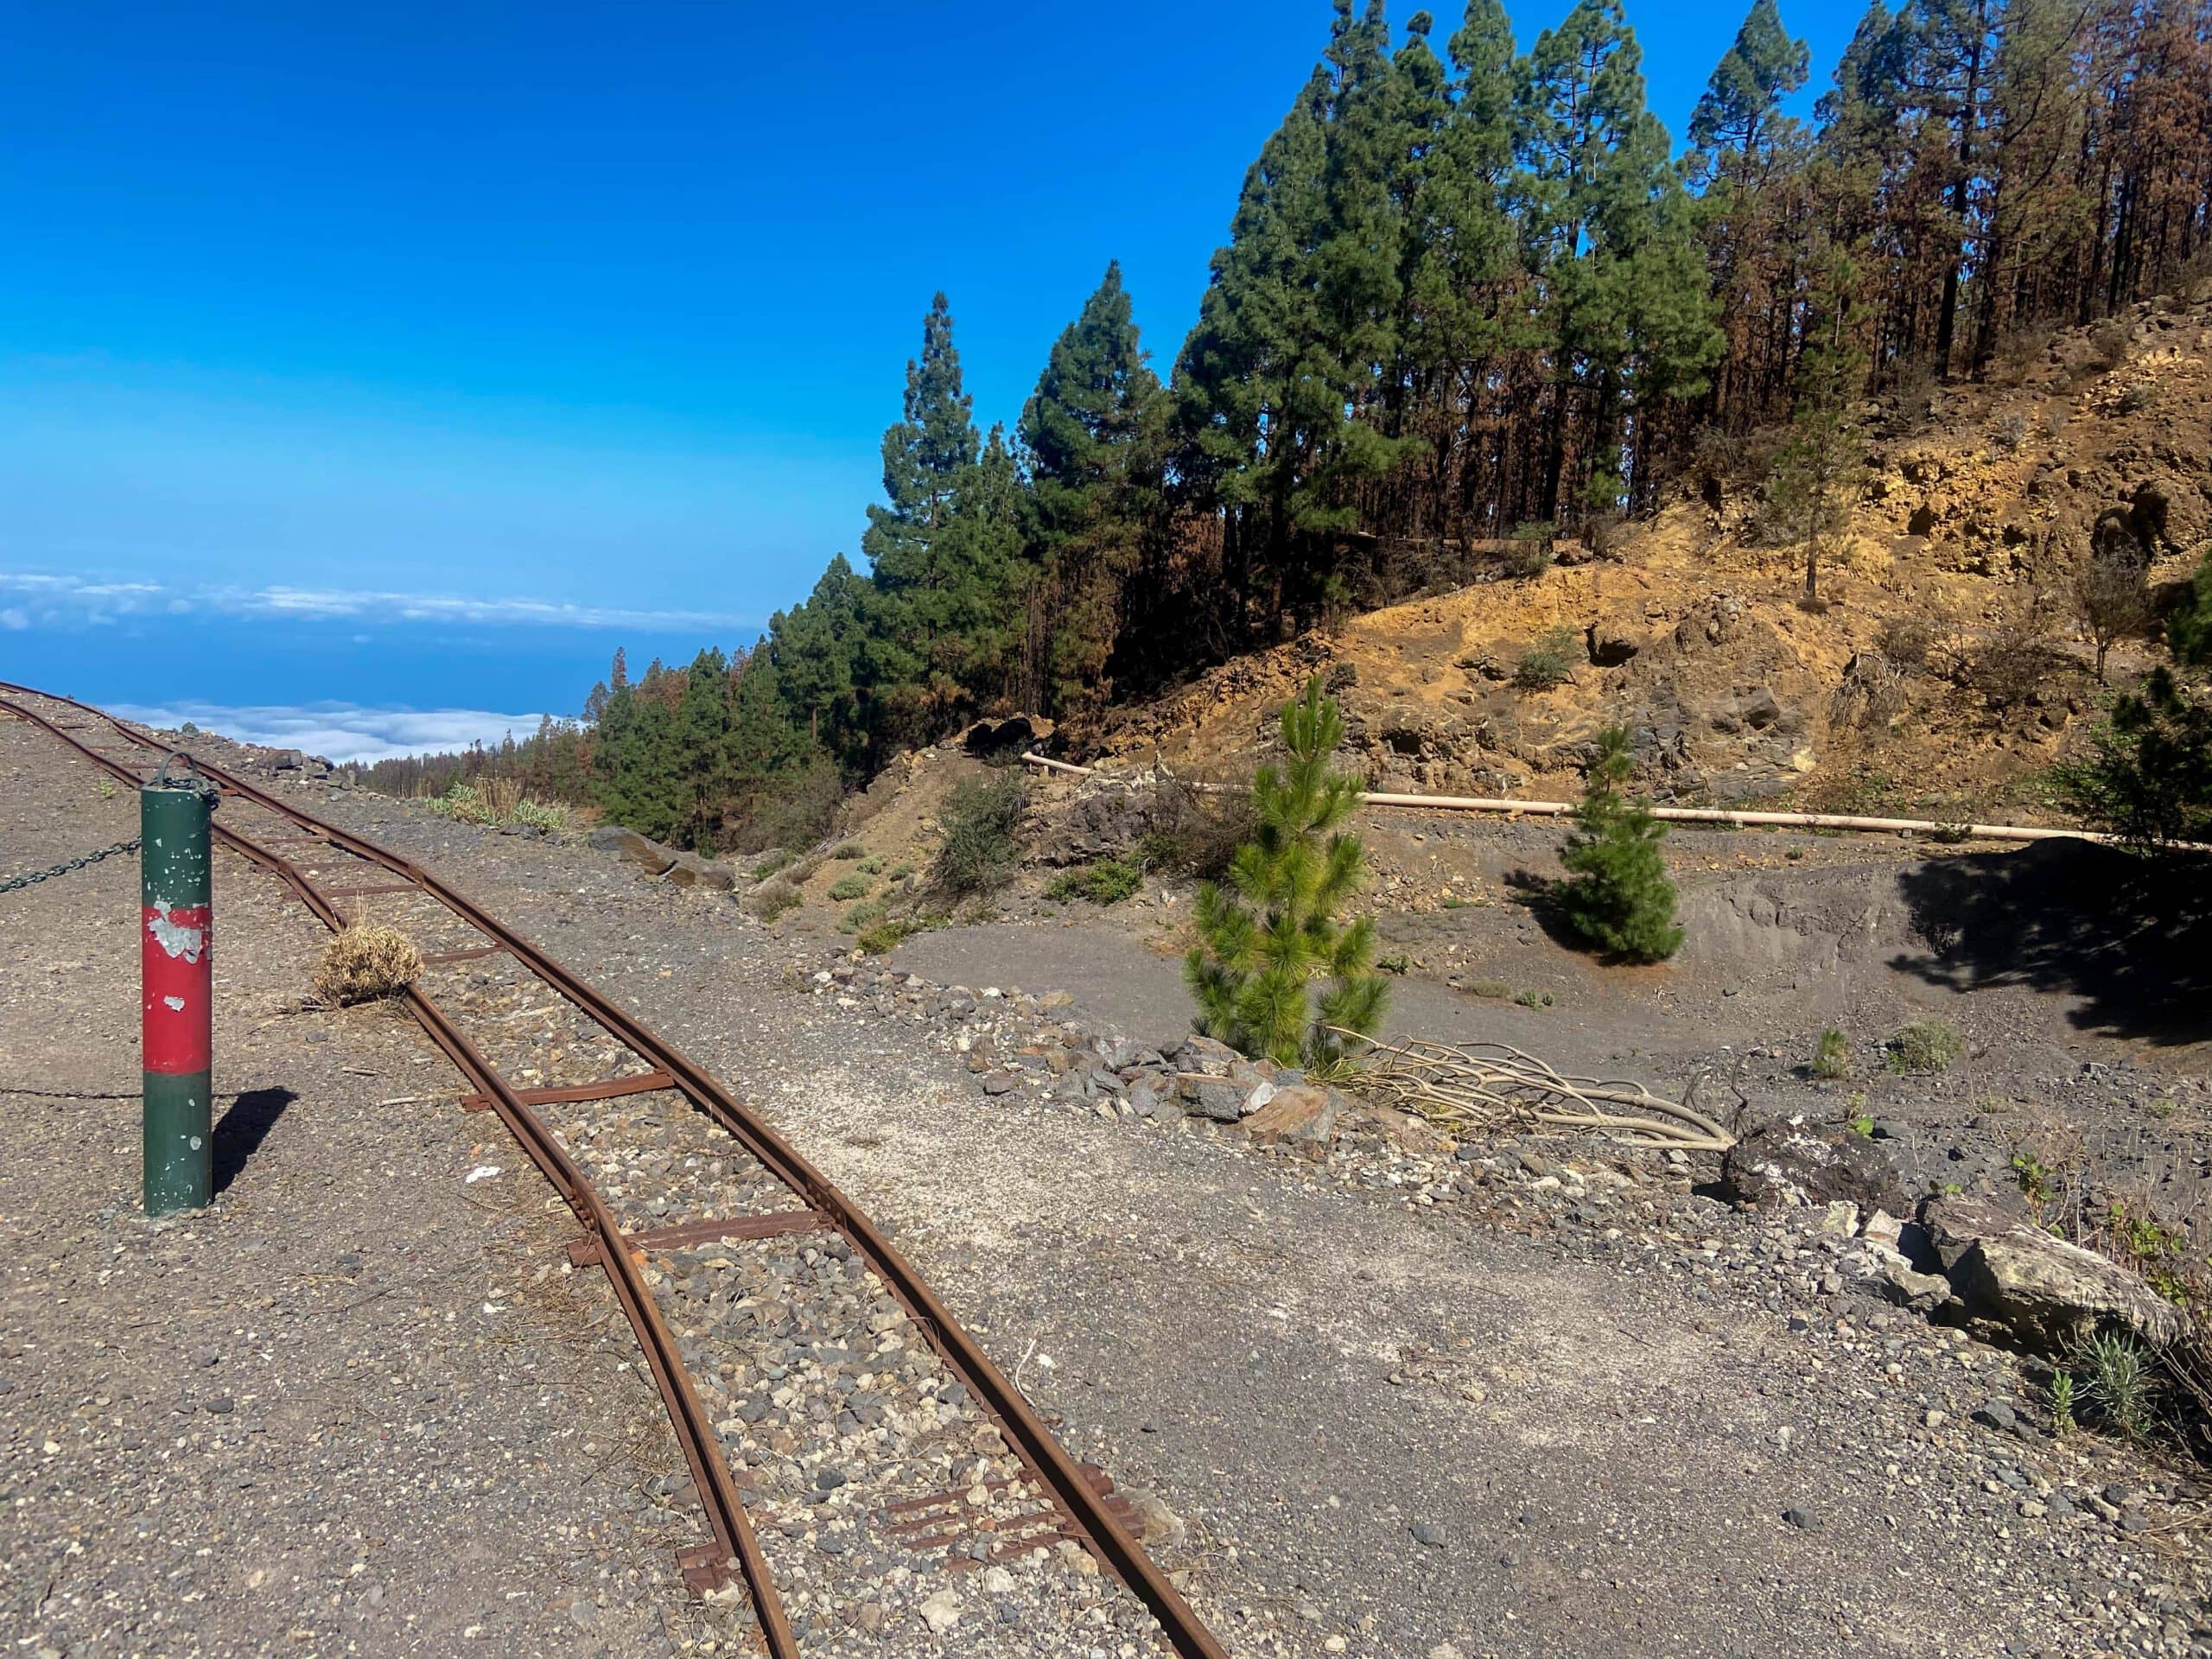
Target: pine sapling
x,y
1620,898
1268,936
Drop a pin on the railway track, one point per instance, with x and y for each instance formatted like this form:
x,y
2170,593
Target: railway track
x,y
849,1445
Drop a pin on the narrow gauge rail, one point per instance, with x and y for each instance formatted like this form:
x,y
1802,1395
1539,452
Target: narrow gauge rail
x,y
1082,1505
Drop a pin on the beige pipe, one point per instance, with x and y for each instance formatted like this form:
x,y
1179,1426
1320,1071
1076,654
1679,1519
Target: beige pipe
x,y
1696,815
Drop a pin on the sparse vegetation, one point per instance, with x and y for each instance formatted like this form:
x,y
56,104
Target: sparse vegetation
x,y
1106,883
497,802
885,937
764,867
849,887
1548,663
980,820
364,963
2114,1388
1926,1044
1832,1056
1618,897
1528,548
846,851
861,917
773,898
1267,938
2034,1176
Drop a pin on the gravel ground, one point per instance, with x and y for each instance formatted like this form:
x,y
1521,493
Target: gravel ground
x,y
362,1404
1398,1410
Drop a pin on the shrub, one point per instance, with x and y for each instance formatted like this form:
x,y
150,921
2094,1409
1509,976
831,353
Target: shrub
x,y
885,937
366,961
549,818
763,868
2148,777
2011,430
848,850
1343,676
864,916
769,901
2108,343
798,812
1620,898
2113,1388
872,865
1194,831
2112,599
979,820
464,803
1529,548
1926,1044
900,871
1548,663
846,887
1832,1058
1107,882
2138,397
1267,938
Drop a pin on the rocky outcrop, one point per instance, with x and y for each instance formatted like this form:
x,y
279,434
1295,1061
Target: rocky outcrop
x,y
689,870
1789,1163
644,851
2044,1291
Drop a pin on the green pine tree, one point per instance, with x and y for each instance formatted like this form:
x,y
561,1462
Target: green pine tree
x,y
1814,473
927,455
1624,290
1094,437
1270,937
1762,68
1620,898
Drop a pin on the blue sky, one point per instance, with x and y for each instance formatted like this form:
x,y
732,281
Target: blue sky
x,y
410,358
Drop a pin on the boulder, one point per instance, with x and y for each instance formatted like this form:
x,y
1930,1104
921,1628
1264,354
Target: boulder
x,y
645,853
1204,1054
689,870
1788,1163
2044,1290
1299,1115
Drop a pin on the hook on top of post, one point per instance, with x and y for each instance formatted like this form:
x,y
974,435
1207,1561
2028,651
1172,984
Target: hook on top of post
x,y
194,780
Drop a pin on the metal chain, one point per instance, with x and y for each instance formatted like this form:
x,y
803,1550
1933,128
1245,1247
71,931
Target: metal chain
x,y
35,876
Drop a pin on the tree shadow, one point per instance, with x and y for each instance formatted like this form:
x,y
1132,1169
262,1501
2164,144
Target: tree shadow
x,y
244,1127
2130,936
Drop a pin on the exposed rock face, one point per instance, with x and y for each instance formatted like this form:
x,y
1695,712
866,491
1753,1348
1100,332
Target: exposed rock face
x,y
1781,1163
2042,1289
689,870
645,853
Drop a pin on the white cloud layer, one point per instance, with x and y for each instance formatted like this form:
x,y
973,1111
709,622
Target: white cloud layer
x,y
60,602
340,731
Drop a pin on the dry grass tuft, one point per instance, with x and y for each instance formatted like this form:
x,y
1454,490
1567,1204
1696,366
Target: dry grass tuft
x,y
364,963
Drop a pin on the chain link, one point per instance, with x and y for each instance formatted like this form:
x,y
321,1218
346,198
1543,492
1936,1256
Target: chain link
x,y
36,876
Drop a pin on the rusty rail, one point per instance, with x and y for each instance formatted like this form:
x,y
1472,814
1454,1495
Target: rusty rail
x,y
1097,1523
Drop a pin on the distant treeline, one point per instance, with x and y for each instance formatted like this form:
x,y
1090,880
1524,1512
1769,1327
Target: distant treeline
x,y
1465,294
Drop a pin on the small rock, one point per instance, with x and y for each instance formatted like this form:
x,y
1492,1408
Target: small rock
x,y
1803,1520
941,1611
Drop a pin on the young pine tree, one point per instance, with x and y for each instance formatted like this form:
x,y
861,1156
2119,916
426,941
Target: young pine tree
x,y
1620,898
1266,938
1814,473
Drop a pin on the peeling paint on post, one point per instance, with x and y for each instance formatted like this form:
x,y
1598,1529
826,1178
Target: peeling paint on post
x,y
176,949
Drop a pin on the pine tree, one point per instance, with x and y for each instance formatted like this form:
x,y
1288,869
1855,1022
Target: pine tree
x,y
815,650
1620,898
931,451
1094,437
701,757
1266,938
1759,70
1815,471
1623,284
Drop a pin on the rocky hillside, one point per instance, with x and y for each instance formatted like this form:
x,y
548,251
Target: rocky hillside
x,y
1947,671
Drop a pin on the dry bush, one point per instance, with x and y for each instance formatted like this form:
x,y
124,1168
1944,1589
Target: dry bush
x,y
2108,343
365,962
1906,641
1194,828
772,899
2019,656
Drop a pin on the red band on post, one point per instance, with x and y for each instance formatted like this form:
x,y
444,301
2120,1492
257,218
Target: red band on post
x,y
176,946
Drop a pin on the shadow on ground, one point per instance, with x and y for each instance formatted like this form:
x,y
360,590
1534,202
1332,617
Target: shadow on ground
x,y
2129,937
244,1127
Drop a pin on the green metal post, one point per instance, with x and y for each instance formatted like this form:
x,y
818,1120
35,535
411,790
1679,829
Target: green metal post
x,y
176,950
